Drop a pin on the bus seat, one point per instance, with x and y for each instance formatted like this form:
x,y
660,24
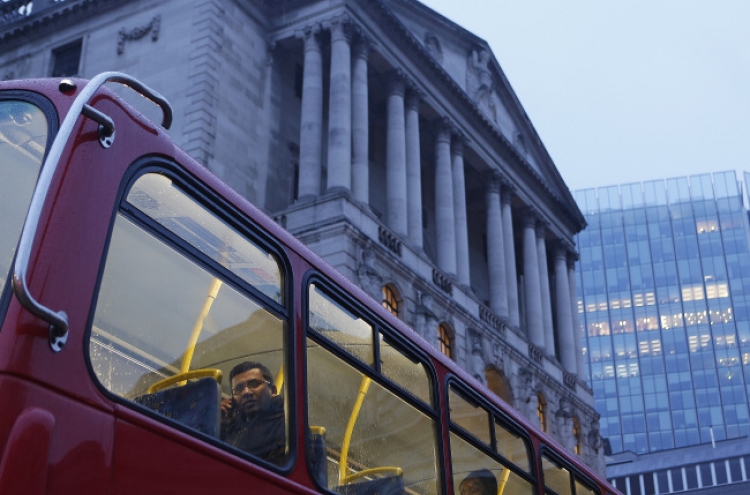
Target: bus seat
x,y
195,404
318,459
388,485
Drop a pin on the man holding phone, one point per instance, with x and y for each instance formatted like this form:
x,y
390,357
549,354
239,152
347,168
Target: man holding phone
x,y
253,419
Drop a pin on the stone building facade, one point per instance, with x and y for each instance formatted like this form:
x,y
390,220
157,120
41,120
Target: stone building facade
x,y
386,138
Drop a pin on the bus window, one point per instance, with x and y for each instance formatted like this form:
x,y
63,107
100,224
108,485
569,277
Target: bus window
x,y
582,489
559,479
511,446
474,472
373,440
408,373
349,332
470,417
23,139
172,319
556,476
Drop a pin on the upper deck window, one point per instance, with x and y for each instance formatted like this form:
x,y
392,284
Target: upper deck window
x,y
369,405
187,301
23,140
488,455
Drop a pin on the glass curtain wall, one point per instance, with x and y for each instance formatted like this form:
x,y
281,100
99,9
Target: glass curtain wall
x,y
664,268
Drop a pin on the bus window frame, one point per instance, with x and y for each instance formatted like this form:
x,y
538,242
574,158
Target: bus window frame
x,y
379,325
495,416
576,474
219,206
49,110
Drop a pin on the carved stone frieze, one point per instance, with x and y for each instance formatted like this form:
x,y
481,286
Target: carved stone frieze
x,y
137,33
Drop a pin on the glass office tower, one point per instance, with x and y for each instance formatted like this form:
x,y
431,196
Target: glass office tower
x,y
664,299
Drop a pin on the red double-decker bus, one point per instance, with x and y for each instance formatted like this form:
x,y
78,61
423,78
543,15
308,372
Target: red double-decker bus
x,y
160,335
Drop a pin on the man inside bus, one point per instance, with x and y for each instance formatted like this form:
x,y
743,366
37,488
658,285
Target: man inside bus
x,y
253,419
480,482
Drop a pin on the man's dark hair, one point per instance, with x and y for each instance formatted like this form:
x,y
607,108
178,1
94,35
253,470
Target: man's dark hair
x,y
251,365
486,479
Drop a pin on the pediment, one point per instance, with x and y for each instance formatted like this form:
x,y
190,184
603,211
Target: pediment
x,y
470,62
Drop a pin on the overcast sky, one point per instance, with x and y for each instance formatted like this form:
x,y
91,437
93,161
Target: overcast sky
x,y
625,91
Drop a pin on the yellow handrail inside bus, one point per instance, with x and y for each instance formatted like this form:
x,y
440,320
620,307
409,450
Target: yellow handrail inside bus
x,y
213,291
378,470
216,374
318,430
280,380
503,481
363,387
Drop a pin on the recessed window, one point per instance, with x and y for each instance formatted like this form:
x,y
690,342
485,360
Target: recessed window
x,y
541,411
66,59
445,340
390,300
577,437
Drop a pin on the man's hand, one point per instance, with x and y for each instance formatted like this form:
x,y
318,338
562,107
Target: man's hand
x,y
226,409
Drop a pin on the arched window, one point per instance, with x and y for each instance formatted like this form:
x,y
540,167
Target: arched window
x,y
541,411
390,299
445,339
578,448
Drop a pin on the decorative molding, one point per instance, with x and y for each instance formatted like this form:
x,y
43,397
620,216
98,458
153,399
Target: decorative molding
x,y
535,353
139,32
570,380
389,240
487,316
442,282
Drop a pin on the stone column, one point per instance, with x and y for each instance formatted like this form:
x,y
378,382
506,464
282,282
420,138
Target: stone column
x,y
496,248
311,122
459,210
266,135
445,223
413,170
395,157
533,293
340,108
541,251
577,334
510,256
565,332
360,124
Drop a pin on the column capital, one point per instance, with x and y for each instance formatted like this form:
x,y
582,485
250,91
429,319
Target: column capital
x,y
310,36
530,217
541,226
572,258
443,128
413,98
362,47
458,143
494,181
563,249
397,82
507,190
340,27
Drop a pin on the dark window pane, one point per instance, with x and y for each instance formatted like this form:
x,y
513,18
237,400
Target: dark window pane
x,y
706,477
735,470
635,485
721,473
677,484
66,59
662,477
648,484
